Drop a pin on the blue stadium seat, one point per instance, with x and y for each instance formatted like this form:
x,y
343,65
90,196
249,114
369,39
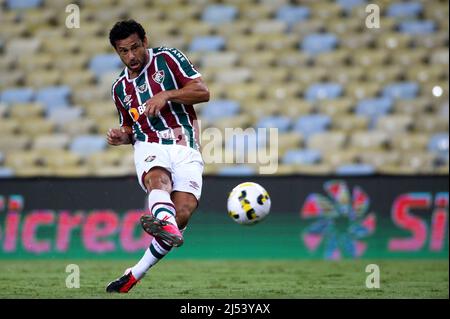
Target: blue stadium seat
x,y
438,145
355,169
374,108
85,145
17,95
105,63
302,156
54,96
348,5
316,43
237,170
311,124
6,172
217,109
292,14
207,43
282,123
216,14
23,4
247,140
417,27
64,114
319,91
401,90
404,9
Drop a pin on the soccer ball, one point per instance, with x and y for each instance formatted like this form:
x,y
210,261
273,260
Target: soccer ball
x,y
248,203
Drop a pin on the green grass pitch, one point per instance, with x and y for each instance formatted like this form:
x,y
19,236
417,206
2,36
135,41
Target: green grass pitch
x,y
236,279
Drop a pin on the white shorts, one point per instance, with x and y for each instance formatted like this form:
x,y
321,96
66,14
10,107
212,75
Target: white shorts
x,y
183,163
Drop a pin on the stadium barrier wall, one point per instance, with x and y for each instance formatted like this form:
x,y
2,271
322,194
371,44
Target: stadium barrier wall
x,y
311,218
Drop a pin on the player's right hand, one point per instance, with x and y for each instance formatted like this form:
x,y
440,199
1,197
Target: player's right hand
x,y
116,136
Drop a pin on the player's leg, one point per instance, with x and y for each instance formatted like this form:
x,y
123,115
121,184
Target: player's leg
x,y
185,204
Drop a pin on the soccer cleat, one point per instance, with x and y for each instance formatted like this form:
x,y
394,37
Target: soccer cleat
x,y
122,284
162,229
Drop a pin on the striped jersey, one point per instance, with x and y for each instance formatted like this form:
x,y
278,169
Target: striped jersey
x,y
167,69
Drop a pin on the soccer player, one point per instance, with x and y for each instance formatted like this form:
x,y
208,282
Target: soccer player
x,y
154,96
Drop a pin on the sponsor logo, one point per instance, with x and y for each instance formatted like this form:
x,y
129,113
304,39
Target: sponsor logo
x,y
194,185
150,159
158,76
340,221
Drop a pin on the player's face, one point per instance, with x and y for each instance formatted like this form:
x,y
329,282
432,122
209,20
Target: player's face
x,y
133,52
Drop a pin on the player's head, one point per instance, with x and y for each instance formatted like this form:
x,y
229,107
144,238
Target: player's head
x,y
129,40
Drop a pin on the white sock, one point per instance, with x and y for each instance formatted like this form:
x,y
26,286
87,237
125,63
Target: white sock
x,y
161,206
157,250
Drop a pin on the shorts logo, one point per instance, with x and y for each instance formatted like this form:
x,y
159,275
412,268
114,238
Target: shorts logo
x,y
194,185
158,76
150,159
142,88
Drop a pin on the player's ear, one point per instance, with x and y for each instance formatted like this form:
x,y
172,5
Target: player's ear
x,y
145,42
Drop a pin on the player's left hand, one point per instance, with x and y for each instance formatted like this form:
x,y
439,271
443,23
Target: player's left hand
x,y
155,104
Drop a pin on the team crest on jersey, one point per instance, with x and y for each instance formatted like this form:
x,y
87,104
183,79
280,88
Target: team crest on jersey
x,y
151,158
142,88
158,76
127,100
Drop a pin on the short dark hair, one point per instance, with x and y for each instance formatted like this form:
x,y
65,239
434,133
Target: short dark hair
x,y
123,29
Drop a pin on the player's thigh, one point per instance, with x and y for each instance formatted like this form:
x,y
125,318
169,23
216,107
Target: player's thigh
x,y
148,156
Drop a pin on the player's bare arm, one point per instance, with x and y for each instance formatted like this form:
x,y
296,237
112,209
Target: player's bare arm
x,y
195,91
119,136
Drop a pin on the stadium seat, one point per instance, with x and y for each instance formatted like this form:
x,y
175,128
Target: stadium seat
x,y
365,140
22,4
6,172
53,141
207,43
438,144
237,170
217,14
17,95
329,141
311,124
85,145
395,123
318,43
355,169
348,5
217,109
374,108
401,90
320,91
36,126
103,63
292,15
24,110
14,142
404,9
54,96
301,156
419,27
405,142
379,158
282,123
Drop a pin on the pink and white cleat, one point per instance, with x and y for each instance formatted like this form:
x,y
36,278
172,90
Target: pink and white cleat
x,y
162,229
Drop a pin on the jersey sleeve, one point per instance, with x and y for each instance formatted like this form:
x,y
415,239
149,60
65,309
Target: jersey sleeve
x,y
181,66
124,118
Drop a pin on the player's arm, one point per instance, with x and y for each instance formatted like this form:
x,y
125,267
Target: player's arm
x,y
124,134
195,91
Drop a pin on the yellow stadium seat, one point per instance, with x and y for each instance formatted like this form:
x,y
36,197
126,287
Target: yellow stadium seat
x,y
369,57
369,140
350,123
291,58
294,107
363,90
35,62
26,110
9,126
379,158
430,123
342,26
234,75
434,40
258,59
395,123
346,74
408,57
51,142
266,76
283,91
410,141
239,121
37,126
71,171
251,12
383,75
80,127
222,59
33,171
111,171
19,159
413,106
341,157
325,10
341,106
235,28
357,41
77,61
269,26
420,161
60,158
14,143
393,41
244,91
426,74
328,141
287,141
41,79
307,76
104,124
306,27
315,169
244,44
60,46
333,58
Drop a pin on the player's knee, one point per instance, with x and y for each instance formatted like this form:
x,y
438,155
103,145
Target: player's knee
x,y
158,178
